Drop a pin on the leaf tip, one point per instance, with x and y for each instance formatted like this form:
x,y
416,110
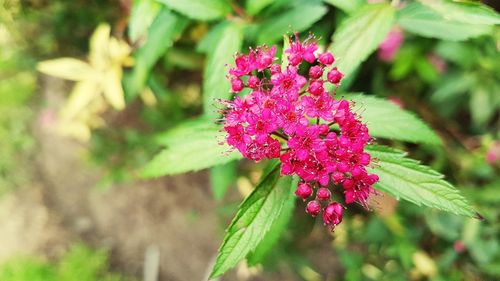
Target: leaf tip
x,y
478,216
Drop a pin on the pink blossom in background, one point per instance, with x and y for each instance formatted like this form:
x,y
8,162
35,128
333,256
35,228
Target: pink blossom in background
x,y
493,154
438,62
391,44
47,118
397,101
459,246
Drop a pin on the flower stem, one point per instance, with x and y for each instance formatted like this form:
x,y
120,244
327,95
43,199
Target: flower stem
x,y
280,135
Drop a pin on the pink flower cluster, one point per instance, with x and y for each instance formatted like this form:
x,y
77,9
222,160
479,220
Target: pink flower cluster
x,y
291,116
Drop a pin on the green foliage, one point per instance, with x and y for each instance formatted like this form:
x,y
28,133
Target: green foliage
x,y
291,20
80,263
471,13
17,85
347,6
221,178
253,7
215,84
387,120
424,21
407,179
360,35
255,217
199,9
162,32
277,229
142,15
191,146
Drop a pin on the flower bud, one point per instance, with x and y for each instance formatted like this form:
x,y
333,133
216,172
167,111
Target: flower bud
x,y
304,190
326,58
334,76
315,72
294,59
253,82
237,85
332,214
323,193
316,88
275,68
313,208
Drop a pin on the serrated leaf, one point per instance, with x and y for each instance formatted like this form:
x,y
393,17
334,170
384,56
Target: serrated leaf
x,y
360,35
407,179
298,19
424,21
221,177
162,32
215,85
199,9
190,147
255,217
471,13
276,230
347,6
387,120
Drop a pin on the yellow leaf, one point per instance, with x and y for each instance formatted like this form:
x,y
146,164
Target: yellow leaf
x,y
77,130
82,95
112,87
148,97
118,50
99,46
67,68
424,264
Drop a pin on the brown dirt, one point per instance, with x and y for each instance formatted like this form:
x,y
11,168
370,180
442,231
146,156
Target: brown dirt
x,y
173,215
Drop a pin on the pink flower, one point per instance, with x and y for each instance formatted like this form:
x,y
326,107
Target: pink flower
x,y
304,190
301,50
493,154
273,122
313,208
438,62
391,44
332,215
320,107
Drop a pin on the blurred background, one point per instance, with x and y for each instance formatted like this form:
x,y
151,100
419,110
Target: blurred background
x,y
73,208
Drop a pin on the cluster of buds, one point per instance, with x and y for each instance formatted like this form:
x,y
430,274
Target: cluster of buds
x,y
289,114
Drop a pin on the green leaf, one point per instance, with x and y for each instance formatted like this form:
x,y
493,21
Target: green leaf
x,y
471,13
360,35
162,33
276,230
298,19
347,6
255,217
221,177
142,15
253,7
407,179
208,43
215,85
424,21
192,146
284,56
387,120
199,9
